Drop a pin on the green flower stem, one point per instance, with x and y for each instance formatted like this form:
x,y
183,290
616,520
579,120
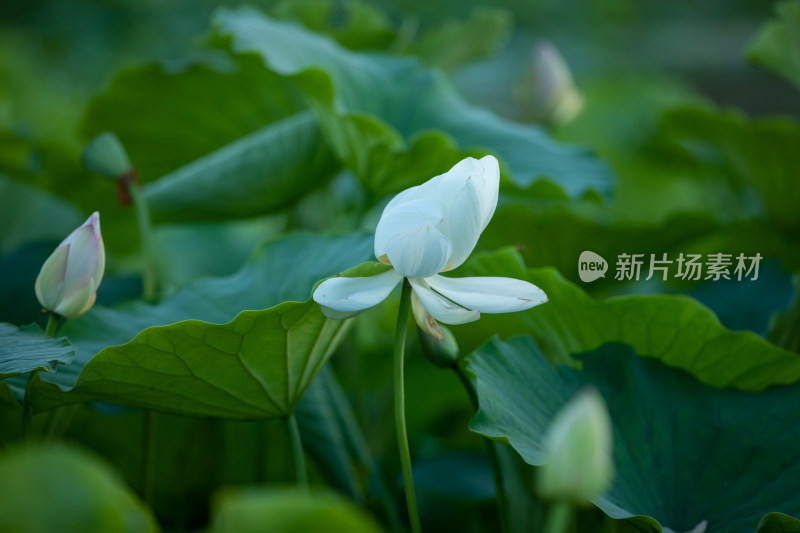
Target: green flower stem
x,y
27,407
558,517
147,466
146,239
491,452
400,410
298,458
52,324
149,291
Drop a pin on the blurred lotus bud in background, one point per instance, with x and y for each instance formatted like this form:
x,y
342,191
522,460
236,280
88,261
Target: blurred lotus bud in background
x,y
106,156
578,451
549,94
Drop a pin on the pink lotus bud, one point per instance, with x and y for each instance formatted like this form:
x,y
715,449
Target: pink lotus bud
x,y
67,284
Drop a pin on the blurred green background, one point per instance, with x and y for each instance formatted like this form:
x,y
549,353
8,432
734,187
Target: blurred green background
x,y
661,81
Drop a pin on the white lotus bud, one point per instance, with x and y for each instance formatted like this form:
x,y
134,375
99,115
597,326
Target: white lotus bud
x,y
67,284
554,98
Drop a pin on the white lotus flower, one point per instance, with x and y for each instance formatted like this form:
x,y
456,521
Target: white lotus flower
x,y
428,229
67,283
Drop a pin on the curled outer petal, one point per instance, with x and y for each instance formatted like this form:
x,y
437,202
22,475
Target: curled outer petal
x,y
489,294
343,297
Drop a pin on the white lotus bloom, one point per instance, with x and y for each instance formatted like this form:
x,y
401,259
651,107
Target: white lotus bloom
x,y
67,283
428,229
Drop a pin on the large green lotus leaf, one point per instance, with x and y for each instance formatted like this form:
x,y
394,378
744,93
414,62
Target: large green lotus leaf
x,y
777,45
258,173
684,452
396,123
279,271
241,147
677,330
256,366
81,492
189,250
767,300
356,24
28,349
165,121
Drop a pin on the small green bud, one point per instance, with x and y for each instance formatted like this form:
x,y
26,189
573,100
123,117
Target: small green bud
x,y
442,353
578,451
106,156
